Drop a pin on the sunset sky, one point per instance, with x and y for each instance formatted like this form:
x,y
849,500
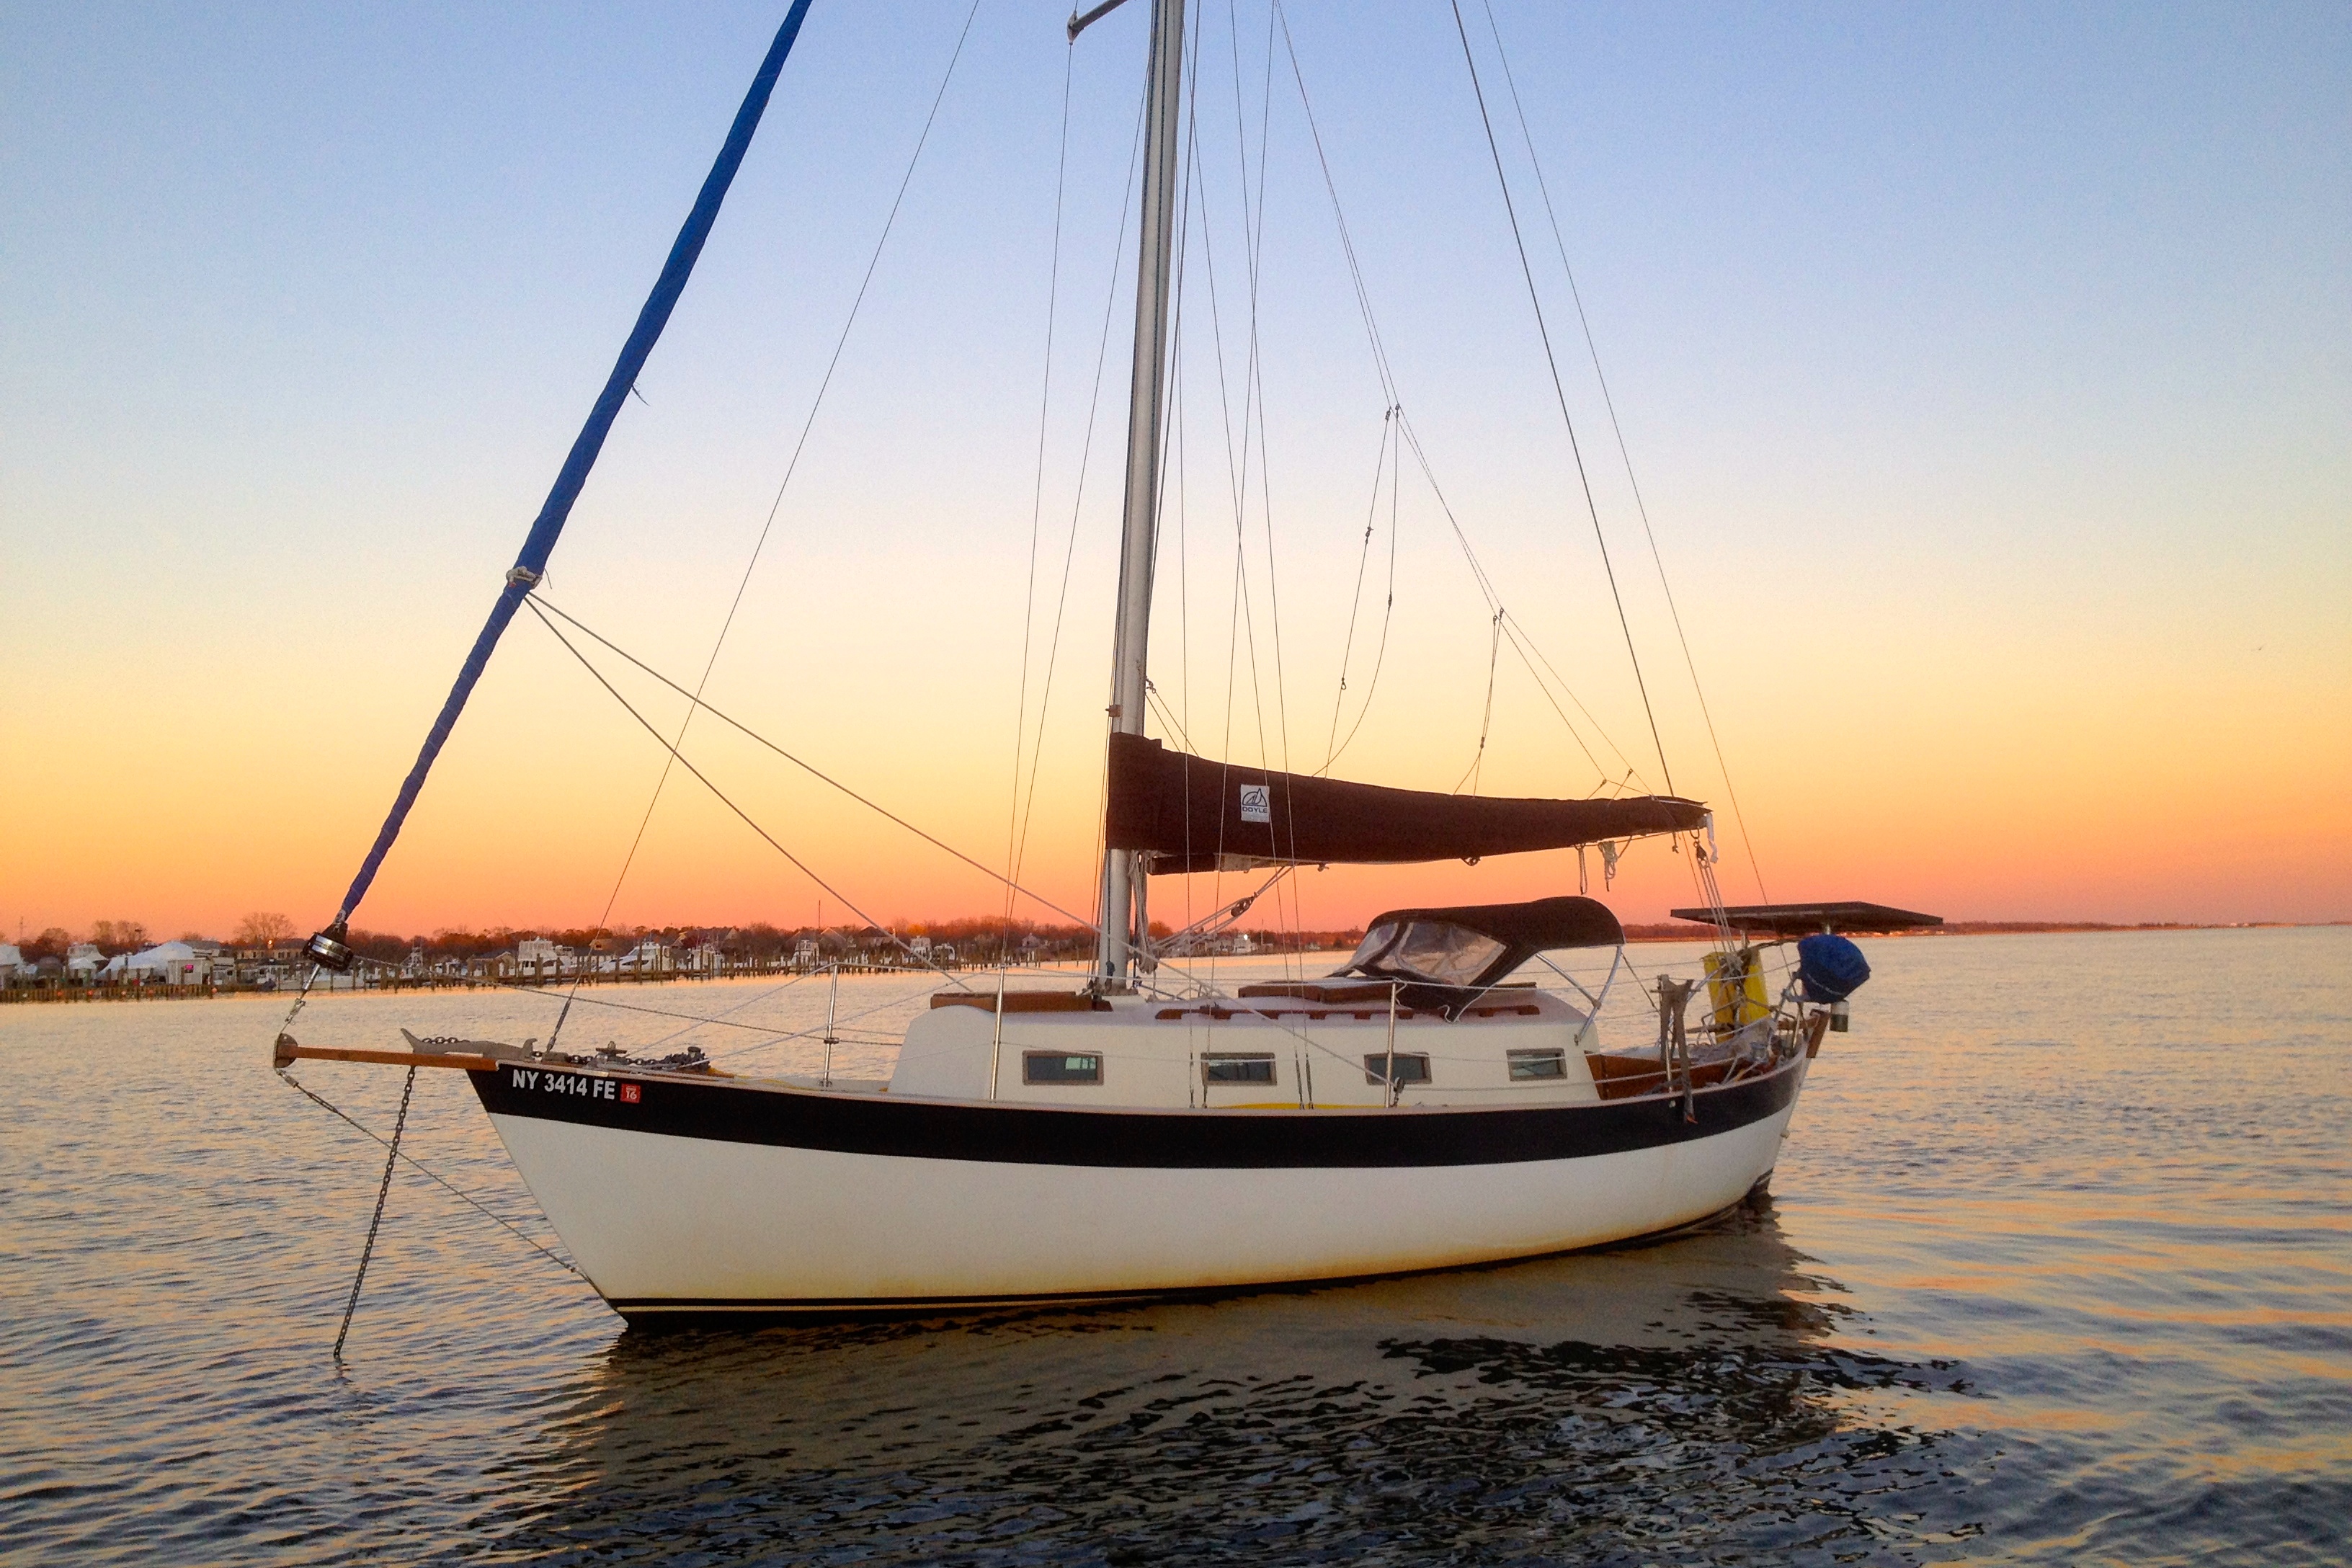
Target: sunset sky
x,y
1987,372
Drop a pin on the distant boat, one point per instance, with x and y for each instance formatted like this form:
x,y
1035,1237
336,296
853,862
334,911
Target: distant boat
x,y
1415,1110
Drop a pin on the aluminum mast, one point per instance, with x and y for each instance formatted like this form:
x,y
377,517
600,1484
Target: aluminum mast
x,y
1123,923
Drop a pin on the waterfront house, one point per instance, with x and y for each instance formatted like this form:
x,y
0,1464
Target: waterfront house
x,y
165,963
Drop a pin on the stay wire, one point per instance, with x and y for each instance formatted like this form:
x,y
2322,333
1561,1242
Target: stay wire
x,y
694,1020
1392,454
1560,391
725,800
1356,598
1641,506
1340,217
1028,805
1409,438
791,467
814,771
425,1171
1494,605
1037,503
1486,718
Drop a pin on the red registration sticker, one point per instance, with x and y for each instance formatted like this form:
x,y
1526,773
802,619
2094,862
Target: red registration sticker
x,y
631,1093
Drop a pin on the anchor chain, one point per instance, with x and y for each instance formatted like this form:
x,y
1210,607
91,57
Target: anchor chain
x,y
382,1192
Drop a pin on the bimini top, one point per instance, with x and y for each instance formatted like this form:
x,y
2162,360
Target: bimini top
x,y
1472,946
1798,920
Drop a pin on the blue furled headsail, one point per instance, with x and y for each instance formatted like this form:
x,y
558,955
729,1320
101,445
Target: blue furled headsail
x,y
1831,967
532,564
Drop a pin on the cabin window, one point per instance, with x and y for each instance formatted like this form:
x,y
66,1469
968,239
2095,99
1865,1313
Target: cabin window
x,y
1055,1067
1538,1064
1236,1068
1410,1067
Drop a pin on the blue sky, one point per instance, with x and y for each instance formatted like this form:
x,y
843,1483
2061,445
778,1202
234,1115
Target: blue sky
x,y
1987,370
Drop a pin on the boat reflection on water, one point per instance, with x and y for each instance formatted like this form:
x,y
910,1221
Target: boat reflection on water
x,y
1692,1397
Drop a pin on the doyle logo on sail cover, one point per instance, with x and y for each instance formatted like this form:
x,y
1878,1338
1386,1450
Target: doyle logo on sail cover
x,y
1257,802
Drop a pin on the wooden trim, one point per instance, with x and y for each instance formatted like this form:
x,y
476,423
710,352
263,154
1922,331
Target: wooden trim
x,y
1022,1000
1326,992
465,1061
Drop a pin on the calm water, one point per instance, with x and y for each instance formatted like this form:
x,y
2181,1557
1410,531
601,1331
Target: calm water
x,y
2060,1270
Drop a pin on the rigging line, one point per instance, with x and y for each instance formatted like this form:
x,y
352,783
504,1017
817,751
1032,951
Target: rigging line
x,y
720,1021
1641,506
814,1031
1253,379
1486,588
1037,496
1406,433
1574,734
1184,609
1340,217
1524,641
1408,436
809,768
1559,390
1388,609
1183,251
1077,502
1487,720
1356,600
798,863
414,1164
722,1017
1159,705
1276,16
1493,600
1242,619
1178,401
790,467
1254,385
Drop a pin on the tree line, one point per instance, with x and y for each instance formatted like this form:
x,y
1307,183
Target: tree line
x,y
982,939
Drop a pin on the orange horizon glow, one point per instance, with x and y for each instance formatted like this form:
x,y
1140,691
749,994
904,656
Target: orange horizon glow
x,y
2006,533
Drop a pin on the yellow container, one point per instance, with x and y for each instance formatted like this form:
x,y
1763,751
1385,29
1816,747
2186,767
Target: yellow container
x,y
1735,989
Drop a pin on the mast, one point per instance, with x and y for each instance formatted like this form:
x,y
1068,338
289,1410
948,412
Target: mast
x,y
1123,927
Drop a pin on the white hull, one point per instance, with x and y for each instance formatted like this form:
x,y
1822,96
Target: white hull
x,y
662,1223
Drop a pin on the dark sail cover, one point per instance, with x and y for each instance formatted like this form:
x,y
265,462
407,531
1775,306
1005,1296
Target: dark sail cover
x,y
1191,814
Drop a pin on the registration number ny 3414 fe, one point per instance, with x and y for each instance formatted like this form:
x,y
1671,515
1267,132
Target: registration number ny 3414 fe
x,y
540,1081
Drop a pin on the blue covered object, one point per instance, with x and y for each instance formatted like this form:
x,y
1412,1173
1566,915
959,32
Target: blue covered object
x,y
1832,968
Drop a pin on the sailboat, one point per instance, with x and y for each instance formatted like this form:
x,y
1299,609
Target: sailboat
x,y
1418,1108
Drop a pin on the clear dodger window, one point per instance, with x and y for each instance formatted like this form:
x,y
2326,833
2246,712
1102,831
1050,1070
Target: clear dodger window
x,y
1236,1068
1445,953
1056,1066
1376,941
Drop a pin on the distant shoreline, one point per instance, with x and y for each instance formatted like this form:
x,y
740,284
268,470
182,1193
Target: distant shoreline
x,y
49,995
1685,932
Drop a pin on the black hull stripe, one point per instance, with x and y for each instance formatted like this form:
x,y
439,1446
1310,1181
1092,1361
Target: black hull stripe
x,y
1369,1138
